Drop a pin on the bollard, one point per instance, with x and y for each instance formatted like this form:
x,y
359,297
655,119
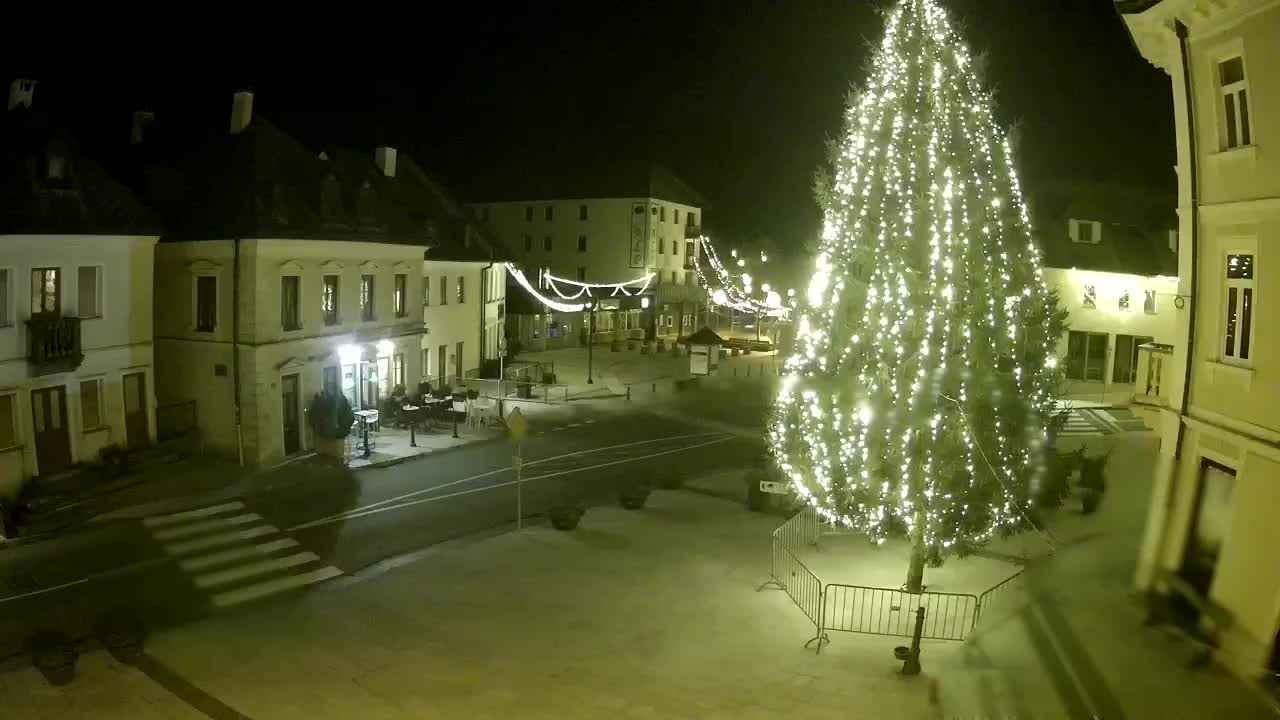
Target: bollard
x,y
912,664
735,371
654,388
628,392
413,440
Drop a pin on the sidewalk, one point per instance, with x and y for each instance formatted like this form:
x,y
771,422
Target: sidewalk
x,y
655,614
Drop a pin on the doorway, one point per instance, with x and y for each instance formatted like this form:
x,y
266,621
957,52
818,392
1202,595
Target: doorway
x,y
1209,527
49,425
457,362
1125,366
290,414
442,364
1086,355
135,410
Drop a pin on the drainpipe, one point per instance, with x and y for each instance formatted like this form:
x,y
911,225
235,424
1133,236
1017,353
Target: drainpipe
x,y
1194,180
484,304
235,346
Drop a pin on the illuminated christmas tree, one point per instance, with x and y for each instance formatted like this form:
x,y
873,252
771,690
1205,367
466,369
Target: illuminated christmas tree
x,y
919,395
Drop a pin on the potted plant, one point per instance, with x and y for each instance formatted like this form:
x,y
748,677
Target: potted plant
x,y
114,460
54,655
1092,483
566,517
330,417
662,345
634,495
473,394
548,378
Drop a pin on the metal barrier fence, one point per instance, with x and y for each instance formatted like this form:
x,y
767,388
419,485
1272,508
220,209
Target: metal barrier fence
x,y
792,576
865,609
880,611
996,596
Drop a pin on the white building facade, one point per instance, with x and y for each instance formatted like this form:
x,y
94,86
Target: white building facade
x,y
312,314
1211,525
650,226
463,305
76,358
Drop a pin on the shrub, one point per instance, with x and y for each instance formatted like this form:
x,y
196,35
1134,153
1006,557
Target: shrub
x,y
1092,482
566,517
330,415
633,496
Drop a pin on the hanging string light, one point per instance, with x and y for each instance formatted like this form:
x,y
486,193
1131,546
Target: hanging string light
x,y
731,290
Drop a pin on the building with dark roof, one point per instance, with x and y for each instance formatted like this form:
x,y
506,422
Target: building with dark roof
x,y
1110,252
76,249
289,270
599,221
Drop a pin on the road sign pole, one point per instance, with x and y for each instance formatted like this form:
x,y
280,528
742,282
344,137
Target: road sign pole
x,y
517,427
519,463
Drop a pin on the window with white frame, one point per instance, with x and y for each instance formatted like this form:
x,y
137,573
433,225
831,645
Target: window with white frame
x,y
1149,302
1123,303
290,302
89,291
1090,299
1237,130
6,297
444,289
368,310
329,300
8,420
1087,232
206,291
461,289
46,290
1238,309
400,294
91,404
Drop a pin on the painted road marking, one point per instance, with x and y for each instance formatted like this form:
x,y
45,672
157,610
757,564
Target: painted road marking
x,y
234,555
529,463
213,541
42,591
273,586
203,526
254,569
223,557
160,520
374,509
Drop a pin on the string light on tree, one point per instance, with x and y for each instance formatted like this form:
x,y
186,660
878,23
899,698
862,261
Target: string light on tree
x,y
917,401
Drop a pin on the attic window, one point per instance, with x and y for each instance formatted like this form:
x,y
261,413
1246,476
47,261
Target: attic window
x,y
1085,232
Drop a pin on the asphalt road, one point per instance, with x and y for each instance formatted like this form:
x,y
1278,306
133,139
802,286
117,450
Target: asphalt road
x,y
312,523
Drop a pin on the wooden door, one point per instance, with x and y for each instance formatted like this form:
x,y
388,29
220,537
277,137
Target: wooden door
x,y
290,415
135,410
49,425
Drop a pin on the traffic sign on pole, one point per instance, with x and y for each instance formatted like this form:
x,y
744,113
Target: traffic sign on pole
x,y
517,426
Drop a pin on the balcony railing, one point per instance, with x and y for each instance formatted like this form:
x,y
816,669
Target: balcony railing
x,y
53,343
692,232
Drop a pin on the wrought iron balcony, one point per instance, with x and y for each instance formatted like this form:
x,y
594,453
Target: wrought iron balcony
x,y
53,343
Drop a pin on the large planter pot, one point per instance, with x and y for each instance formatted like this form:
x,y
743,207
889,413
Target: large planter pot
x,y
615,346
566,518
1089,501
662,345
644,349
633,497
631,344
330,447
54,655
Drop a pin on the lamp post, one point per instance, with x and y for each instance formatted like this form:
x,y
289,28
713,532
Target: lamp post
x,y
591,330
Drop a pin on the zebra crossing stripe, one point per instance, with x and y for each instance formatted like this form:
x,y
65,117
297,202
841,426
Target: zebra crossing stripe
x,y
222,557
262,567
204,526
188,547
273,586
162,520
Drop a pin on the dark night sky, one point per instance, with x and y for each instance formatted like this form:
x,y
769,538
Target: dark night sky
x,y
736,97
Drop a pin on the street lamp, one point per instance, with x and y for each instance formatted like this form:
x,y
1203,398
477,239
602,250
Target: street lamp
x,y
591,329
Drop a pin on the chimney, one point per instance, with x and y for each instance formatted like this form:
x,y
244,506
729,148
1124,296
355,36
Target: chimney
x,y
141,119
385,157
241,111
20,92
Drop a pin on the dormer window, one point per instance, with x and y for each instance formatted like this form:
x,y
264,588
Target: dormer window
x,y
1085,232
367,203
